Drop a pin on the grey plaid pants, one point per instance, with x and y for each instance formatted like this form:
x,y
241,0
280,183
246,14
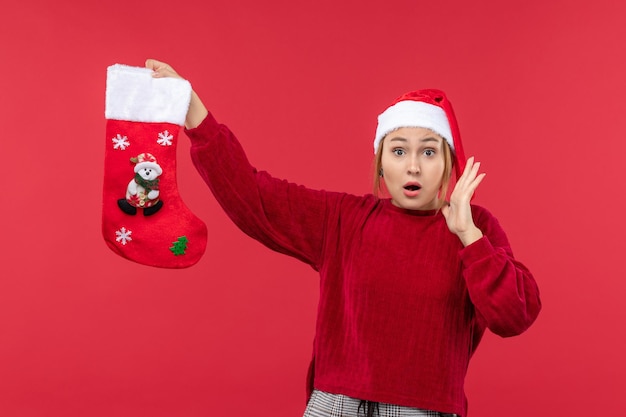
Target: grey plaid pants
x,y
323,404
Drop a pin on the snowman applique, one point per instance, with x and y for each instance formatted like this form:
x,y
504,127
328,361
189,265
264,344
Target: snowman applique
x,y
143,190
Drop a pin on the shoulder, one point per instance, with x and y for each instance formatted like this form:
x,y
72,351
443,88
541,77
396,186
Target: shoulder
x,y
484,218
489,225
480,212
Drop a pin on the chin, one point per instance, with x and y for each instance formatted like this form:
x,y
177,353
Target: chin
x,y
414,205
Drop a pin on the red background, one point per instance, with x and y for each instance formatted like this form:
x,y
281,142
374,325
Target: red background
x,y
539,92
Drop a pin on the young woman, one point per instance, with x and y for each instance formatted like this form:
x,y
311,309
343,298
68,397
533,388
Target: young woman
x,y
408,283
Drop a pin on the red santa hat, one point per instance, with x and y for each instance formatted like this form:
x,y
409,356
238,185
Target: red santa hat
x,y
429,109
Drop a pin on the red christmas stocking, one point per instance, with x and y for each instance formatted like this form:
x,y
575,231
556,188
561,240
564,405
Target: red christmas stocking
x,y
143,217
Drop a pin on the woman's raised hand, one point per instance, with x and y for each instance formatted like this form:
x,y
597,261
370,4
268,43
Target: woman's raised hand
x,y
197,111
458,212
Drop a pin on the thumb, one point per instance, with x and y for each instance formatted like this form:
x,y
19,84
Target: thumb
x,y
152,64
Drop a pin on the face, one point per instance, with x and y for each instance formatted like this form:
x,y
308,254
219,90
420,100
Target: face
x,y
148,173
413,165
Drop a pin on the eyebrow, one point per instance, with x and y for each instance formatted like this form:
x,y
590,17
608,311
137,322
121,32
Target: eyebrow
x,y
427,139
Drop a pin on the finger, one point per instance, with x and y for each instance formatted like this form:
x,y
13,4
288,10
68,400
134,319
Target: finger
x,y
474,171
470,174
468,165
480,178
160,69
466,170
156,64
160,72
153,64
475,183
464,191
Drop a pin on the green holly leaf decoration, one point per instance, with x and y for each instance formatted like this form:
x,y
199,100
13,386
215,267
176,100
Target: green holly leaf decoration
x,y
179,246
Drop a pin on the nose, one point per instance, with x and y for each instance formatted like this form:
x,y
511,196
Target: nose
x,y
413,166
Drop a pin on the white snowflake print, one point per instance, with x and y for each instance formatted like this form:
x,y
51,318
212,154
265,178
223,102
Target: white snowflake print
x,y
123,236
165,139
120,142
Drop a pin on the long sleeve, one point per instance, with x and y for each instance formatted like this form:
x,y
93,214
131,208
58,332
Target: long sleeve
x,y
503,290
285,217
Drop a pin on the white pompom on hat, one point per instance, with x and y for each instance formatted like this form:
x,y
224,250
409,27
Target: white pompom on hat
x,y
429,109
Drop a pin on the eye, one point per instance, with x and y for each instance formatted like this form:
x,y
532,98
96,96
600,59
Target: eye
x,y
398,151
429,152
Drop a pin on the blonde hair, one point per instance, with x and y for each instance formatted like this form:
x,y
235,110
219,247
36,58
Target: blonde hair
x,y
445,178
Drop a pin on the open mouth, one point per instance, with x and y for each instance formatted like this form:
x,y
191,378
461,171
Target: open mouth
x,y
412,187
